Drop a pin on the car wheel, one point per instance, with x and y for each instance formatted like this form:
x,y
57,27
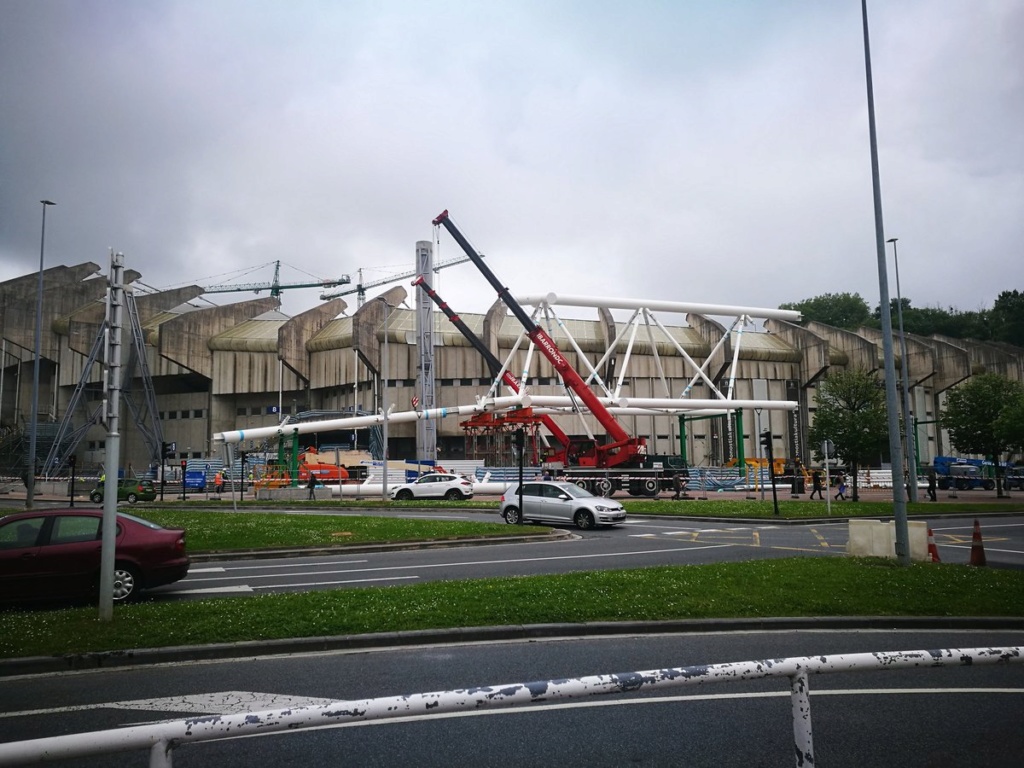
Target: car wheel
x,y
604,487
512,515
453,495
651,487
132,498
962,485
96,498
583,520
404,495
989,485
943,485
127,583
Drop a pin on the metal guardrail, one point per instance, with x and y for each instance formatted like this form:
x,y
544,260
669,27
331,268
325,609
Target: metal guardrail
x,y
161,739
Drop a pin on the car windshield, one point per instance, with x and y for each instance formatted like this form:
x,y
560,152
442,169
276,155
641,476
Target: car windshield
x,y
575,491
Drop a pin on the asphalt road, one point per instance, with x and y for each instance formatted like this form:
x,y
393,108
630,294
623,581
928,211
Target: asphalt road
x,y
964,716
641,542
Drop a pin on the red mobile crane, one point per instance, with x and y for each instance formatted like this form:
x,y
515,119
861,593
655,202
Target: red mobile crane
x,y
568,446
623,451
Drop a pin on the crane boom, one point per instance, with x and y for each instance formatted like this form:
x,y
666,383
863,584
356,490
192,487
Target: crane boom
x,y
493,363
275,286
623,448
361,287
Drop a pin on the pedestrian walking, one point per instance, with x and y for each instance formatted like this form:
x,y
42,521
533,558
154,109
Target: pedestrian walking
x,y
312,487
840,487
931,485
816,487
678,485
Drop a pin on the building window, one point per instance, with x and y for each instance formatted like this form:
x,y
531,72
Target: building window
x,y
198,413
172,414
465,382
241,411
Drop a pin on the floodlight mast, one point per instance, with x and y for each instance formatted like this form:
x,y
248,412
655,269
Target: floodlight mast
x,y
623,449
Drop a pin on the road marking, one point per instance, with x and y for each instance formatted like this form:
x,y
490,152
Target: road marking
x,y
213,590
220,703
483,562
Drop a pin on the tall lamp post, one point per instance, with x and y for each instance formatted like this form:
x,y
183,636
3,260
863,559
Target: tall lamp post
x,y
908,418
384,404
30,474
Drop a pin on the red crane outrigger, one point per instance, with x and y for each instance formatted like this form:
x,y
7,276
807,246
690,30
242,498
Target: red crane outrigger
x,y
623,450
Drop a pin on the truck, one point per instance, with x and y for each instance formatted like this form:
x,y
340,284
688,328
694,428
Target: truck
x,y
619,463
963,474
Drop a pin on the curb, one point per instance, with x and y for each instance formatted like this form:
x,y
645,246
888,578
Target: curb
x,y
304,645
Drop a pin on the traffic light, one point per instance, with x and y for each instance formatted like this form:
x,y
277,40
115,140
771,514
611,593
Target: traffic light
x,y
766,442
167,450
519,438
184,464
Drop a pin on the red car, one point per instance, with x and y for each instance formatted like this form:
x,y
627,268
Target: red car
x,y
48,554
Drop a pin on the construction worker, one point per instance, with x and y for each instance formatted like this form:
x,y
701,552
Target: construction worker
x,y
218,482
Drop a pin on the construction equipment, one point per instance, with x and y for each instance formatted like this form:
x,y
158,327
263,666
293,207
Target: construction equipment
x,y
590,462
964,474
360,289
275,286
522,416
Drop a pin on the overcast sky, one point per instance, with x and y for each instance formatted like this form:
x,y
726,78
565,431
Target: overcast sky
x,y
684,150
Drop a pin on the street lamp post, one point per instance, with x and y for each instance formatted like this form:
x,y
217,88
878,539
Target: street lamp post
x,y
30,475
908,418
384,405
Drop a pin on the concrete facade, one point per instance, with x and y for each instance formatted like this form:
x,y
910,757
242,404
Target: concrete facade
x,y
247,365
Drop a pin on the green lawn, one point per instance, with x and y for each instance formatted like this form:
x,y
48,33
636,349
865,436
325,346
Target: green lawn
x,y
790,587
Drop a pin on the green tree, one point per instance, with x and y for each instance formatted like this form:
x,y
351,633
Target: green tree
x,y
1010,424
1007,317
840,310
851,413
974,417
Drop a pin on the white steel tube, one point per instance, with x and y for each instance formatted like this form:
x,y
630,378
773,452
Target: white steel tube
x,y
350,422
554,299
483,697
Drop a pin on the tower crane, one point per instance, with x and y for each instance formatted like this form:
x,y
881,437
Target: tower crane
x,y
361,287
275,286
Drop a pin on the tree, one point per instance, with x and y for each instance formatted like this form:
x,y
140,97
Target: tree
x,y
851,413
840,310
1010,424
981,416
1007,316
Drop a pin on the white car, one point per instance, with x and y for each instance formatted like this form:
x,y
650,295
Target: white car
x,y
558,502
436,485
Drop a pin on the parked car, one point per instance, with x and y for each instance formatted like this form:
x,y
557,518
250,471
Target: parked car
x,y
128,489
559,502
55,554
435,485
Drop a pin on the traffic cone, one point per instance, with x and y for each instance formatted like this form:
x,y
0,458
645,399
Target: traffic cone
x,y
933,551
977,548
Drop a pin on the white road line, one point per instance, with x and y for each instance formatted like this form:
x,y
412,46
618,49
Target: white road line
x,y
479,562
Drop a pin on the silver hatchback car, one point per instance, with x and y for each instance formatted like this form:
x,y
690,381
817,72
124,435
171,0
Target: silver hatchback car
x,y
558,502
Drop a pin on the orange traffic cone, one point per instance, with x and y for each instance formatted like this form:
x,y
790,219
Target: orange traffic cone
x,y
977,548
933,551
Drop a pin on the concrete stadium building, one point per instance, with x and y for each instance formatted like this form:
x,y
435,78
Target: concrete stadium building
x,y
243,365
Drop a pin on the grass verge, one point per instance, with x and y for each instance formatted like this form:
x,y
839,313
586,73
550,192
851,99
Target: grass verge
x,y
221,532
787,587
